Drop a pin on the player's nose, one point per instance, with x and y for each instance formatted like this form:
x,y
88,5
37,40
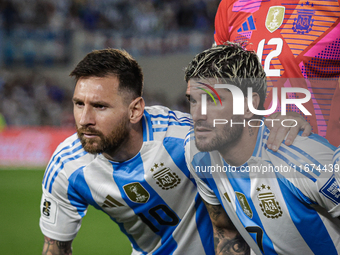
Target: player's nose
x,y
198,112
87,116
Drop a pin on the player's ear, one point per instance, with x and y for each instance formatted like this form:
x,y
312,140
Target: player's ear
x,y
136,110
255,101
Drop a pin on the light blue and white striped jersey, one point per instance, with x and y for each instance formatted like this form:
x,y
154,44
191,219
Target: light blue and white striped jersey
x,y
283,202
151,196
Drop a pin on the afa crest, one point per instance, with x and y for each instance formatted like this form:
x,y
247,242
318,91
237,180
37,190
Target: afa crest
x,y
304,22
165,177
269,206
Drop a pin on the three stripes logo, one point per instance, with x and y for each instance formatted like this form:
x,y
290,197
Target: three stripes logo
x,y
204,97
111,202
247,27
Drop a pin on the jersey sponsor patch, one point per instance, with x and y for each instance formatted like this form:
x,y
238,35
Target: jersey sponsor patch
x,y
331,190
48,209
275,18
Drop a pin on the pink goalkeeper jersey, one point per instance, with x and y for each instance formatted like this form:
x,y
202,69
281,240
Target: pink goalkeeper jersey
x,y
293,39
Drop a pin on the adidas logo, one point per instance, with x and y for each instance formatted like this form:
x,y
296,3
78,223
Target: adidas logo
x,y
111,202
248,25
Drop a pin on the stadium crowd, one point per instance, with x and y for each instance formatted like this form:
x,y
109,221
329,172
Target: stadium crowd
x,y
34,100
122,15
31,36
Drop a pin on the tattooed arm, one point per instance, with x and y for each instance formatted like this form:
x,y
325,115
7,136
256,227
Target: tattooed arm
x,y
226,237
53,247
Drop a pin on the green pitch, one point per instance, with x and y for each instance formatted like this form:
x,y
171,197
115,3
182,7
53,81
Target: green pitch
x,y
20,193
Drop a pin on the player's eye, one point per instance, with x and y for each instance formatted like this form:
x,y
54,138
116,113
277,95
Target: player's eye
x,y
78,103
100,106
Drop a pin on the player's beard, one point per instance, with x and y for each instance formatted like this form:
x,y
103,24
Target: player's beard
x,y
103,143
223,139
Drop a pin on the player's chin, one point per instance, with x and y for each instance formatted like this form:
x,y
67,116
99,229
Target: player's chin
x,y
92,147
203,145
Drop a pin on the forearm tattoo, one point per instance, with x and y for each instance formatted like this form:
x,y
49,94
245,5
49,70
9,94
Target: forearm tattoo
x,y
214,211
227,240
230,246
47,244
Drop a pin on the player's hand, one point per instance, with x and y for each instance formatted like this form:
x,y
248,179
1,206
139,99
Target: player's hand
x,y
279,132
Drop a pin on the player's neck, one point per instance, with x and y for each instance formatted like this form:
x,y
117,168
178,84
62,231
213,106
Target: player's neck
x,y
130,147
239,152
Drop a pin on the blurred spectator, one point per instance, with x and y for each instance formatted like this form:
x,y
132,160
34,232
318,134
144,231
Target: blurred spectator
x,y
145,17
34,100
9,15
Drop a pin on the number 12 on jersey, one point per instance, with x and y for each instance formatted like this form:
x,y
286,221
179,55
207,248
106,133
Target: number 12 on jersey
x,y
274,53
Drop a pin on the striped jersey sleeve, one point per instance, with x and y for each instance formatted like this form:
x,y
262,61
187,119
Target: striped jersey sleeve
x,y
56,205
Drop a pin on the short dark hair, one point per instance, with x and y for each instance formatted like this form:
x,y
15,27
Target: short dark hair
x,y
230,62
102,63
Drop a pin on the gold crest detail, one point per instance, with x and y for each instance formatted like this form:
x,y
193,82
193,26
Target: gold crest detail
x,y
136,192
244,204
227,197
165,177
275,18
269,206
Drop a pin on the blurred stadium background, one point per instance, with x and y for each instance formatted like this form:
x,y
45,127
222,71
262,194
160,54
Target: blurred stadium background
x,y
40,43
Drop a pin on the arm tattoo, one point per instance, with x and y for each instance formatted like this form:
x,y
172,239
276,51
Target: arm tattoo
x,y
232,246
53,247
214,211
47,244
227,240
64,247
